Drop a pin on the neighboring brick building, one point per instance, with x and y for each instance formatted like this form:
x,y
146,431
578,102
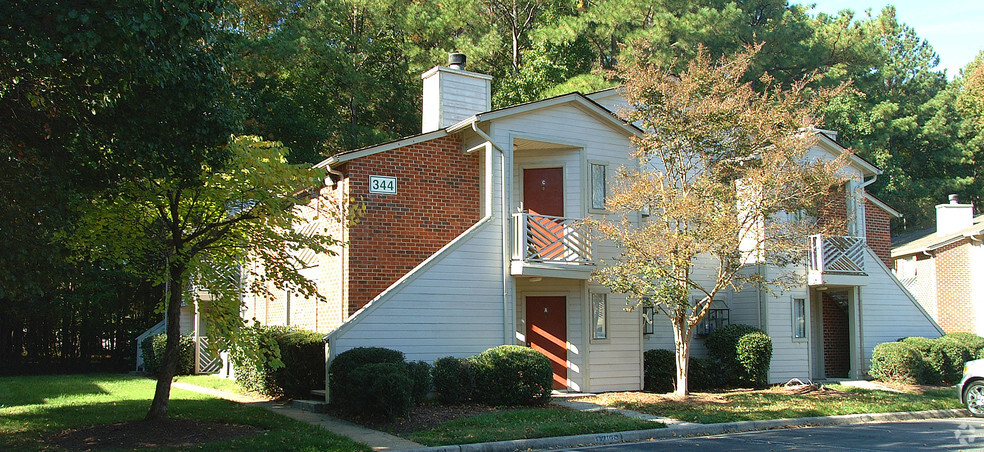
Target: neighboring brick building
x,y
943,267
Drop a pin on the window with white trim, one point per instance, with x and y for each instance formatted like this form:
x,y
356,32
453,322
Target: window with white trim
x,y
799,318
717,316
599,315
648,320
599,185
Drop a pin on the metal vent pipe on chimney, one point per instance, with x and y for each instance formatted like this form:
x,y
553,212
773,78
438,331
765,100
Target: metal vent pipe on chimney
x,y
456,61
954,199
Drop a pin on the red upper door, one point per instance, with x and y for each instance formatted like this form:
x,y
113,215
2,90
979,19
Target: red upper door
x,y
543,191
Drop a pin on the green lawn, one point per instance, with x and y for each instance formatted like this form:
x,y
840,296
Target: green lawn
x,y
527,423
214,382
32,408
775,404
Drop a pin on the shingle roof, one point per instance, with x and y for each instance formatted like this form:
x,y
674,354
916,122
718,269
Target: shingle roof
x,y
927,239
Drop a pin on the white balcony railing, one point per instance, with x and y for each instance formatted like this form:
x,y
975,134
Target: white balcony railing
x,y
547,239
837,254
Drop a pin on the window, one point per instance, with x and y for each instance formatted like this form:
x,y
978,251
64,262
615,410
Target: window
x,y
599,186
716,318
799,318
648,316
599,310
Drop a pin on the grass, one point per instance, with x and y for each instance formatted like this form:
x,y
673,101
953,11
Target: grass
x,y
713,408
214,382
527,423
32,408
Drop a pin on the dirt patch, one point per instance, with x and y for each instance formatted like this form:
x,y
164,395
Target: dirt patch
x,y
611,398
423,417
814,389
149,435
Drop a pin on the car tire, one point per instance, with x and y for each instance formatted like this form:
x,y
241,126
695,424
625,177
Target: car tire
x,y
974,398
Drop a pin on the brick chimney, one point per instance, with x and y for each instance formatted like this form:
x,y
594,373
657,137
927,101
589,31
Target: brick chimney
x,y
953,217
452,94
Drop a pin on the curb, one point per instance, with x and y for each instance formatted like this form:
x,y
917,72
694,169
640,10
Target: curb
x,y
692,430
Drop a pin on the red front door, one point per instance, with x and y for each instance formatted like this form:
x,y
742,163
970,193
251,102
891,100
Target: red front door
x,y
543,195
546,332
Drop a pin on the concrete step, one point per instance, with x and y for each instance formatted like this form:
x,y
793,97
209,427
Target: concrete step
x,y
314,406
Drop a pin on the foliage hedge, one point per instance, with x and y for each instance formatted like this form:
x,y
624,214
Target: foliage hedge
x,y
280,361
898,362
345,388
153,354
512,375
745,354
940,361
384,388
659,372
421,381
454,381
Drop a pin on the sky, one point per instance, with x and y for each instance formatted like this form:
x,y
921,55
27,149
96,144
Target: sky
x,y
955,28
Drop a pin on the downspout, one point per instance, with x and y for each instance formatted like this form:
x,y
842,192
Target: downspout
x,y
508,331
341,264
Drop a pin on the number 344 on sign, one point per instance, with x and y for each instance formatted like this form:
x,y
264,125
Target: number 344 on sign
x,y
382,184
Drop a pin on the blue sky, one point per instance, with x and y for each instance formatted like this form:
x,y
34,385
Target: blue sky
x,y
955,28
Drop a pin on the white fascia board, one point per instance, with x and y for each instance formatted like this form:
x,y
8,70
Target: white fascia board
x,y
577,99
333,161
883,206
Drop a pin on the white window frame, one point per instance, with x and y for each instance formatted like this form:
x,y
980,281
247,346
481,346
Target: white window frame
x,y
591,186
594,316
795,318
648,320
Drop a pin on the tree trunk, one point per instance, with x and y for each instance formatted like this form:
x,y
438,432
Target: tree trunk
x,y
158,408
682,341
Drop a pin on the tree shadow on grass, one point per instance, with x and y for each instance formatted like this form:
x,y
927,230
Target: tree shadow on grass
x,y
19,391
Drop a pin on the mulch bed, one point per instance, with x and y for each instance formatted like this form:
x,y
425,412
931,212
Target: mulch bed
x,y
423,417
147,435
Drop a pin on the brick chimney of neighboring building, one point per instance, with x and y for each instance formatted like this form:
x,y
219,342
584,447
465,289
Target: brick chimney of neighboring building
x,y
452,94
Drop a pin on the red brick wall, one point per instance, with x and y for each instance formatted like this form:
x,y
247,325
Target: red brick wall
x,y
953,287
878,231
836,339
833,215
437,199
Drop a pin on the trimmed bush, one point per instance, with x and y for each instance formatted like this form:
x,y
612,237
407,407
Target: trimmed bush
x,y
384,389
704,375
153,354
948,357
279,361
453,380
931,369
512,375
659,370
897,362
744,361
754,355
344,388
420,378
973,342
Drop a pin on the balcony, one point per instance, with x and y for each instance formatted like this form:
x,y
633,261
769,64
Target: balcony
x,y
547,246
836,260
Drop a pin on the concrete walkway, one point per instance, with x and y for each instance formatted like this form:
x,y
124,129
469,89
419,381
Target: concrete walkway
x,y
375,439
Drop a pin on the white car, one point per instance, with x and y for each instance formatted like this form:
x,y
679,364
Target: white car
x,y
971,387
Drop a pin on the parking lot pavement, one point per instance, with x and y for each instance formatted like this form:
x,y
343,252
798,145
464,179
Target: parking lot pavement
x,y
938,434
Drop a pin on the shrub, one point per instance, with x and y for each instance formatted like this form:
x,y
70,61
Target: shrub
x,y
754,355
279,361
384,389
973,342
659,370
512,375
744,364
948,357
153,354
420,378
344,388
704,375
898,362
931,368
453,380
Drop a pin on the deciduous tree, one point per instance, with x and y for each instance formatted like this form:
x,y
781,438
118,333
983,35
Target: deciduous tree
x,y
719,166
